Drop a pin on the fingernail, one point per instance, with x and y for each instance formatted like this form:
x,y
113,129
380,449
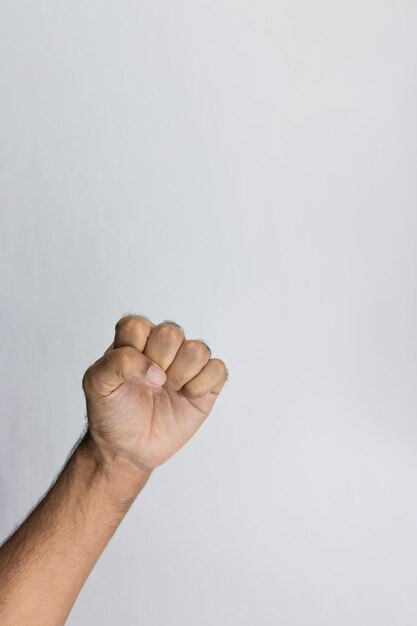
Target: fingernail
x,y
155,375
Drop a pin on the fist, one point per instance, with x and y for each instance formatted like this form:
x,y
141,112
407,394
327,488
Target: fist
x,y
150,391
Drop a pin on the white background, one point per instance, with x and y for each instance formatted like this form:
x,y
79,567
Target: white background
x,y
247,169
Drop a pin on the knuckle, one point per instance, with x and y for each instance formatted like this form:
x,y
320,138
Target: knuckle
x,y
170,331
89,378
126,353
220,365
124,359
206,346
196,348
174,324
122,321
131,325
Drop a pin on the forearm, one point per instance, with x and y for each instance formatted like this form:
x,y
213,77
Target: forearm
x,y
45,563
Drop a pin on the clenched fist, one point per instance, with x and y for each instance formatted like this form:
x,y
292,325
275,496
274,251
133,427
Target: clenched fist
x,y
150,391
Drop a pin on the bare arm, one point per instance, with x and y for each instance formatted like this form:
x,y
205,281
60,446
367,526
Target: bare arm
x,y
44,564
135,425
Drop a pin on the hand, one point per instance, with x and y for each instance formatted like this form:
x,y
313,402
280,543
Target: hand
x,y
150,391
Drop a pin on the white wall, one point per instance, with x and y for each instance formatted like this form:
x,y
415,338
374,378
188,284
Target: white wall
x,y
247,169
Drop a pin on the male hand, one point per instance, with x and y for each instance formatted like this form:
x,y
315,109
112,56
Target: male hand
x,y
150,391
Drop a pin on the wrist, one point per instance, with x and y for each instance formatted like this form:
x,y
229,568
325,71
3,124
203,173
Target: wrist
x,y
124,478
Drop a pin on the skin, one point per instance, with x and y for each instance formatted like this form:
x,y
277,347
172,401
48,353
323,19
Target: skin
x,y
134,425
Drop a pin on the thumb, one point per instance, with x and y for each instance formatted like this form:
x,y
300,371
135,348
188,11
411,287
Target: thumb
x,y
121,365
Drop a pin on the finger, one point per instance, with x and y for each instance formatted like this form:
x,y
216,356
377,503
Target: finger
x,y
190,359
164,342
210,379
121,365
132,330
